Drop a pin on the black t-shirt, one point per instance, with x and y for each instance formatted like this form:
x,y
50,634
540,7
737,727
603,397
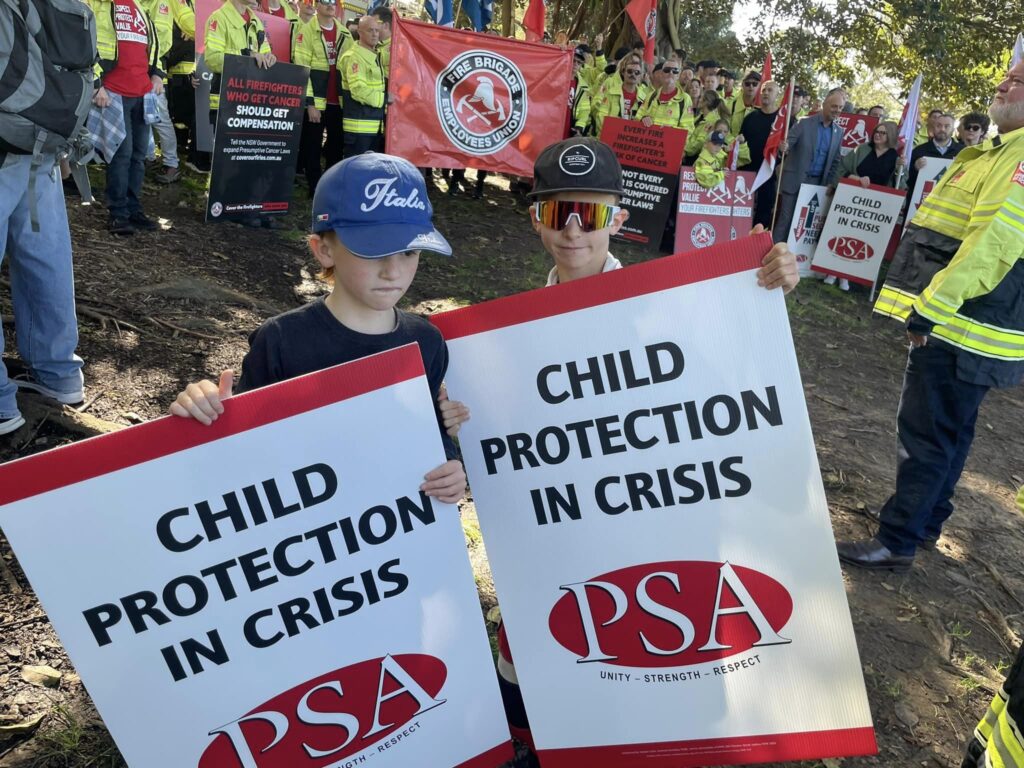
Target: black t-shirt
x,y
311,339
879,168
757,127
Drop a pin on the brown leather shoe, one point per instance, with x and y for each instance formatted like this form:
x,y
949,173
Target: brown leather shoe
x,y
873,555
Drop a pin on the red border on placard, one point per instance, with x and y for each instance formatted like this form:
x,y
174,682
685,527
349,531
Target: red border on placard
x,y
637,280
101,455
737,750
492,758
875,187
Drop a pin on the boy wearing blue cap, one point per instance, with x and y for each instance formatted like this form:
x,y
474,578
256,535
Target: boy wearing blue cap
x,y
371,219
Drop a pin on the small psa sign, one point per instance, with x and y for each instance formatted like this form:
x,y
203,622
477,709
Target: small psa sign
x,y
272,591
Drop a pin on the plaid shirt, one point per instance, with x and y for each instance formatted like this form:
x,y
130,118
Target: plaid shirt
x,y
106,125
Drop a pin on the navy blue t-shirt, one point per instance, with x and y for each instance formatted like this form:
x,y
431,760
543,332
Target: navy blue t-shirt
x,y
310,339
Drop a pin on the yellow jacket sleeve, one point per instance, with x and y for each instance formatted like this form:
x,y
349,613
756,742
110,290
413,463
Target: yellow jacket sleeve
x,y
184,17
302,56
744,156
216,43
990,250
708,170
599,110
581,113
359,84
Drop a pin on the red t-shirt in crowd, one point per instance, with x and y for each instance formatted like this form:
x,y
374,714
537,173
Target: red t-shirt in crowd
x,y
666,97
279,11
130,76
330,43
628,97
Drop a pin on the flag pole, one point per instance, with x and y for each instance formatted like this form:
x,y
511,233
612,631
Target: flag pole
x,y
782,165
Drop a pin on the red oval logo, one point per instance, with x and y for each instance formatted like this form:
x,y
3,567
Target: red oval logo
x,y
850,248
332,716
672,614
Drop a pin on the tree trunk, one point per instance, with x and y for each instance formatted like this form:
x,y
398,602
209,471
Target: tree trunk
x,y
556,19
506,18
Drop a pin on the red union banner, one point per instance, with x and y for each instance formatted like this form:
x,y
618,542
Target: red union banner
x,y
856,130
463,99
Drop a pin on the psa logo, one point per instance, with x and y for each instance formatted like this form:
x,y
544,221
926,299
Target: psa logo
x,y
672,614
481,102
330,717
850,248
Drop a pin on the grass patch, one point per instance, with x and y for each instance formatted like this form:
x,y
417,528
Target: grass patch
x,y
67,741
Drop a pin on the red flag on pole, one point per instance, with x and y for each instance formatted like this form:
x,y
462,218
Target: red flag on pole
x,y
534,20
463,99
766,75
644,14
780,132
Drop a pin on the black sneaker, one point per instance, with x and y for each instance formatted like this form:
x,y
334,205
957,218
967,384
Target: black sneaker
x,y
140,221
120,226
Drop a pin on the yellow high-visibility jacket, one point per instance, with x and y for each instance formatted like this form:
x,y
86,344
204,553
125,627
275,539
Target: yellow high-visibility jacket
x,y
106,39
703,125
163,21
710,168
609,101
384,53
310,50
677,112
228,32
997,740
581,107
362,90
594,73
734,110
183,34
974,302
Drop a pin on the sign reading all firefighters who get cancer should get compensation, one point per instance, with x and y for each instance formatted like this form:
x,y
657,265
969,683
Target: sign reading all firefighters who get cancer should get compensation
x,y
272,591
655,520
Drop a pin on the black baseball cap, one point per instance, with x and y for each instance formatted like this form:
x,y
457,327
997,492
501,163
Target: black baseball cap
x,y
754,77
717,137
577,165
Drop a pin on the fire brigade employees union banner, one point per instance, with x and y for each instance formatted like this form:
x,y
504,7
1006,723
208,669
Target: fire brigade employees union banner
x,y
857,231
808,219
257,140
856,130
463,99
650,159
933,171
272,591
716,215
640,482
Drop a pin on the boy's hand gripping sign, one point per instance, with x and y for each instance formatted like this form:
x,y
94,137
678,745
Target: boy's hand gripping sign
x,y
272,591
650,499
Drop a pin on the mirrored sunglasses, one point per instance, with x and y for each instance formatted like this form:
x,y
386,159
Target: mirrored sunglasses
x,y
973,127
670,70
556,214
633,71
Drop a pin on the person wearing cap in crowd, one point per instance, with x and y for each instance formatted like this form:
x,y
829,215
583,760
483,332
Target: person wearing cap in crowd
x,y
371,220
801,103
577,188
622,94
318,46
812,157
669,105
737,109
704,122
578,114
972,129
362,92
710,165
756,128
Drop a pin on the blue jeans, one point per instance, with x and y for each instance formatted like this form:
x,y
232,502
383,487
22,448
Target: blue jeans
x,y
42,282
935,429
128,166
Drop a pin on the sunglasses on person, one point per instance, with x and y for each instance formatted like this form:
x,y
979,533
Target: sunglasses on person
x,y
670,70
556,214
973,127
881,132
632,71
751,84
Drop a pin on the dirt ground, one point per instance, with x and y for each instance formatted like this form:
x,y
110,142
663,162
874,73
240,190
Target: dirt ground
x,y
158,310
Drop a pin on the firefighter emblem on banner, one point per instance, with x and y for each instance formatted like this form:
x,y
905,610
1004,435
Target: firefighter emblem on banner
x,y
481,101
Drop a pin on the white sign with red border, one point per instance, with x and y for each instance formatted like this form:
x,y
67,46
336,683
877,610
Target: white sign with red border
x,y
812,203
639,482
857,232
272,591
930,175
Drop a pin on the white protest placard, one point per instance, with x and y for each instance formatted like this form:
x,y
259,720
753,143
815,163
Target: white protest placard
x,y
934,169
650,499
857,232
272,591
808,218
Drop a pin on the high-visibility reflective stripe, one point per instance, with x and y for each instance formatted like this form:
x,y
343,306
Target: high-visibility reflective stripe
x,y
1007,742
991,718
360,126
1011,215
893,302
932,308
977,344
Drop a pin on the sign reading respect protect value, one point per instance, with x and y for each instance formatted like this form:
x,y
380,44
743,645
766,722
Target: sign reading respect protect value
x,y
273,591
647,486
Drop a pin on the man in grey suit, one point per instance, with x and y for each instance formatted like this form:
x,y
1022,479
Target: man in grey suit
x,y
812,157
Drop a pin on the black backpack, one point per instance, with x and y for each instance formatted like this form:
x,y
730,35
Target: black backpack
x,y
47,53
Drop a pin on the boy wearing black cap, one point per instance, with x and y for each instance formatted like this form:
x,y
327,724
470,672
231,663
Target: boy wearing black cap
x,y
371,219
710,166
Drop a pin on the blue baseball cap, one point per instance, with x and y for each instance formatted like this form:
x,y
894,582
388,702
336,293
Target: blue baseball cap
x,y
377,205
